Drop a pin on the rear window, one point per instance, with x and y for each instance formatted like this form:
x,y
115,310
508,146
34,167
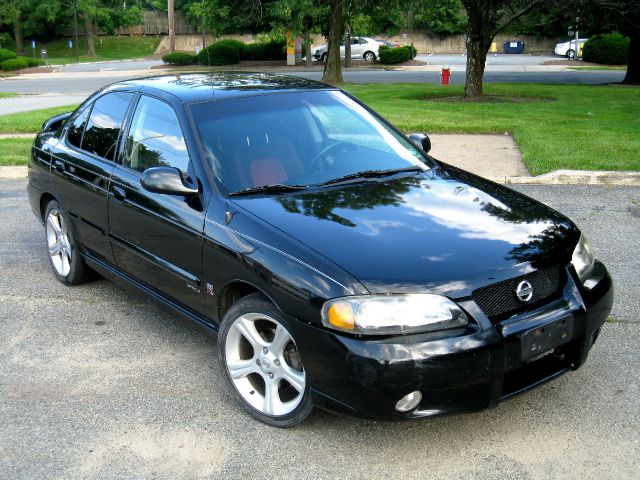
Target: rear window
x,y
105,123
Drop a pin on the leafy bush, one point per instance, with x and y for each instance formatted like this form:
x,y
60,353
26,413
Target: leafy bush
x,y
391,56
31,62
6,55
612,49
179,58
224,52
14,64
272,50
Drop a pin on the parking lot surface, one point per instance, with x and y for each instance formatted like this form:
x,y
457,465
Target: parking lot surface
x,y
99,382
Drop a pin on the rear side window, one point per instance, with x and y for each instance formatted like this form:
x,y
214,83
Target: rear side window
x,y
74,133
105,122
155,137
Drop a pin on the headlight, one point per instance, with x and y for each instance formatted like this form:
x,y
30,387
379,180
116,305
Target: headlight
x,y
582,258
392,314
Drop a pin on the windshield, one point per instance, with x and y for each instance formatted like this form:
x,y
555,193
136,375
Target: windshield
x,y
302,138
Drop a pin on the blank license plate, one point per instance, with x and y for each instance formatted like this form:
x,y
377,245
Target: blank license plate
x,y
542,339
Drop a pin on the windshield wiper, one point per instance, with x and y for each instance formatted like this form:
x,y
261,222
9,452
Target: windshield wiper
x,y
370,174
273,188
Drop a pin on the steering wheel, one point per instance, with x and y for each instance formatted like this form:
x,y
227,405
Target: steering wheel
x,y
316,162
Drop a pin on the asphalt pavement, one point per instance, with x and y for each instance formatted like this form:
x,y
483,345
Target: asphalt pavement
x,y
99,382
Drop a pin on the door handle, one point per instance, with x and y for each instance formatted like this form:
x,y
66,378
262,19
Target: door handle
x,y
119,194
59,166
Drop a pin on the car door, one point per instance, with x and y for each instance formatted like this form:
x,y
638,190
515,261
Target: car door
x,y
356,47
82,165
157,238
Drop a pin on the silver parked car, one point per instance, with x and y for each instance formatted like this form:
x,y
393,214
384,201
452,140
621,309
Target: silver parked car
x,y
568,48
361,47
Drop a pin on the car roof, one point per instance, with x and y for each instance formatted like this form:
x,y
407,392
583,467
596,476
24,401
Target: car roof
x,y
197,87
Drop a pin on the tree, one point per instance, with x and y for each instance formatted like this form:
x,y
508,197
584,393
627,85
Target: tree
x,y
485,19
625,15
11,14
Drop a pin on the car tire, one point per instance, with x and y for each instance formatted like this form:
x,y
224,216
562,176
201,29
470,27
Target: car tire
x,y
261,363
323,57
369,56
62,247
571,54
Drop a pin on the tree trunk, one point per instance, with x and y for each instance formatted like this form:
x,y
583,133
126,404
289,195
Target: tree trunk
x,y
633,66
482,20
476,60
91,45
307,42
333,69
17,31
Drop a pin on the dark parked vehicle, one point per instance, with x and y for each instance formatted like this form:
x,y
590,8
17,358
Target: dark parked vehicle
x,y
339,264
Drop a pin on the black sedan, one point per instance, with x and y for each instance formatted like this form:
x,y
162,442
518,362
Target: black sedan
x,y
338,263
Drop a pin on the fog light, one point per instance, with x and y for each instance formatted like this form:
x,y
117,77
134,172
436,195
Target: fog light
x,y
409,402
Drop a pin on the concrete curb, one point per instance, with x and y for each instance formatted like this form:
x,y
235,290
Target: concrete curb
x,y
557,177
575,177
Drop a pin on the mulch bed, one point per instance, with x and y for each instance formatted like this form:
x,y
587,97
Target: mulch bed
x,y
488,98
579,63
33,70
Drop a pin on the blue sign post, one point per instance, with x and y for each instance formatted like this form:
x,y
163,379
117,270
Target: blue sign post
x,y
70,51
33,47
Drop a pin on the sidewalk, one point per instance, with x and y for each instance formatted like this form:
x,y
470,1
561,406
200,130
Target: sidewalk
x,y
26,103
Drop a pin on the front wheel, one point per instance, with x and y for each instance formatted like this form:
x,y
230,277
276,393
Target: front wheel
x,y
369,56
323,58
262,364
571,54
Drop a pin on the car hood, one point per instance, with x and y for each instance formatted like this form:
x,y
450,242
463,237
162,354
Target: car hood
x,y
442,231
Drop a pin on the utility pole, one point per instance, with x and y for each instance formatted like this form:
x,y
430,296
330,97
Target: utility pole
x,y
172,33
204,35
75,28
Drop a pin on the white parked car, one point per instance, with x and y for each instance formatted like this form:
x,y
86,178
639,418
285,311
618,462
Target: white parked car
x,y
568,48
361,47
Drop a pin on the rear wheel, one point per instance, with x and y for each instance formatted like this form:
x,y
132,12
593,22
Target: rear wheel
x,y
323,58
571,54
62,248
262,364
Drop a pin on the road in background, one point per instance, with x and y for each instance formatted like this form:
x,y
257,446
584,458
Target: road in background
x,y
90,82
432,59
99,382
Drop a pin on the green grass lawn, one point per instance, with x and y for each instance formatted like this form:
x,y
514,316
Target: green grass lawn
x,y
14,151
7,95
584,128
112,48
30,122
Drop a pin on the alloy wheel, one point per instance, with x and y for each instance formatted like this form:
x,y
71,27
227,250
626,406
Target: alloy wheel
x,y
58,242
264,365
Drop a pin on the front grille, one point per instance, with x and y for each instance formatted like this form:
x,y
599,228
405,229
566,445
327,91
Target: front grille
x,y
499,301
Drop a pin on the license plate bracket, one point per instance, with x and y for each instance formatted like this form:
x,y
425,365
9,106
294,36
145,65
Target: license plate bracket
x,y
546,337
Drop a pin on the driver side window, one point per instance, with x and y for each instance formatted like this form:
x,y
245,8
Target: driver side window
x,y
155,138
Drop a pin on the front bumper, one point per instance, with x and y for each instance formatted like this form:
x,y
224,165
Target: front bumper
x,y
458,370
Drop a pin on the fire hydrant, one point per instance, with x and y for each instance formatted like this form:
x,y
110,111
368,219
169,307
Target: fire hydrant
x,y
446,73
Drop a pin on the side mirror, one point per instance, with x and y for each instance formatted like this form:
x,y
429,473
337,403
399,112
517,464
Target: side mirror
x,y
166,180
420,140
54,123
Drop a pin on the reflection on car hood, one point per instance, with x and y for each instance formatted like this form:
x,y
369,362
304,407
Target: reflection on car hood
x,y
444,231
